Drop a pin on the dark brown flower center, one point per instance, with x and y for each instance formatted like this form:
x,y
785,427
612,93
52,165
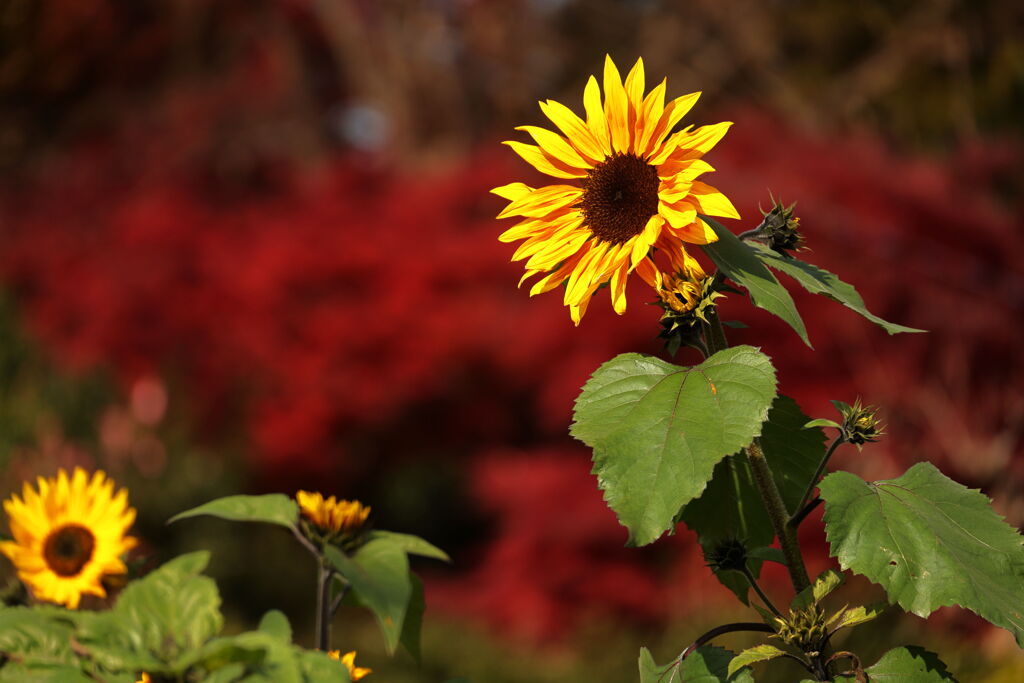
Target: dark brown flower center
x,y
619,196
68,549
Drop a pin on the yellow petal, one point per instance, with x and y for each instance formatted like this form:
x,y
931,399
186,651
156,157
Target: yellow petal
x,y
701,140
643,242
677,215
653,108
674,112
635,98
581,276
596,120
554,145
575,130
543,163
711,201
649,273
616,107
618,288
542,201
697,232
512,191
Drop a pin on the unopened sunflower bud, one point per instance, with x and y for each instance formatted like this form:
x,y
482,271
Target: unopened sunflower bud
x,y
686,300
804,629
727,554
781,229
860,424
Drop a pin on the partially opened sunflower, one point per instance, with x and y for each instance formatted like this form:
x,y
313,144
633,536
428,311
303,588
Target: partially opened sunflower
x,y
637,191
68,535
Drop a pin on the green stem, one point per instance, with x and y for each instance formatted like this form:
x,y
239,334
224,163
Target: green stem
x,y
794,521
760,593
765,481
778,515
323,607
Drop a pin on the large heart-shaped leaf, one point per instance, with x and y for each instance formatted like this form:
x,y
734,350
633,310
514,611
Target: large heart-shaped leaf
x,y
819,281
737,260
929,542
657,430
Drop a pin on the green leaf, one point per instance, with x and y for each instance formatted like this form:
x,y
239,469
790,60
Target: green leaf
x,y
704,665
15,672
857,615
273,508
738,260
768,555
37,635
412,545
159,621
379,574
822,422
276,624
819,281
657,430
317,667
929,542
826,582
413,624
906,665
758,653
731,505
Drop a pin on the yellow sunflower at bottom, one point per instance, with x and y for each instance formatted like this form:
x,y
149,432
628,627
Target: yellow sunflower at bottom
x,y
349,660
637,190
68,535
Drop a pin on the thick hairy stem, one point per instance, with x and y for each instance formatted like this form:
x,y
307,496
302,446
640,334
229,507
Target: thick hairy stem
x,y
778,515
714,333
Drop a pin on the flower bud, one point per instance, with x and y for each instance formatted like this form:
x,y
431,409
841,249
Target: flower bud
x,y
727,554
781,229
860,424
804,629
686,298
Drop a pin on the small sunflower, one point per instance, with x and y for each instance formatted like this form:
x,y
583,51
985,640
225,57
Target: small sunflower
x,y
145,678
637,191
349,660
68,535
332,515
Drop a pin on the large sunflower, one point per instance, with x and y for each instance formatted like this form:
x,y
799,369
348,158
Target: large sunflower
x,y
68,535
637,191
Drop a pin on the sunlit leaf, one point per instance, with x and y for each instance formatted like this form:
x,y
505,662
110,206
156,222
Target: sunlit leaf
x,y
273,508
929,542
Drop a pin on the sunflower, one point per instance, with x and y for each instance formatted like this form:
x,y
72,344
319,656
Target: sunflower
x,y
349,660
68,535
637,191
332,515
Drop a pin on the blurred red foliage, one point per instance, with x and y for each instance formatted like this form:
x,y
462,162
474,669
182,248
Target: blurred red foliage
x,y
354,316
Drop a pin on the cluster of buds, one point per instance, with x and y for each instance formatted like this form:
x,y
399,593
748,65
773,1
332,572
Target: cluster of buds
x,y
781,229
339,522
686,298
805,629
860,424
